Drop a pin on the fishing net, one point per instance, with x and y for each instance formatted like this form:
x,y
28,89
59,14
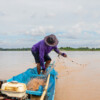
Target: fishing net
x,y
40,80
67,65
36,82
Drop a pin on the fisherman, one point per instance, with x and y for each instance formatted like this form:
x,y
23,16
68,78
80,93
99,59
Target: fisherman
x,y
41,49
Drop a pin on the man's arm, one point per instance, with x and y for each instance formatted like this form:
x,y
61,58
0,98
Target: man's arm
x,y
57,50
60,53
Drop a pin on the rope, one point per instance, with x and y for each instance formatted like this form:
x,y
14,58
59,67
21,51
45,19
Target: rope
x,y
70,59
76,62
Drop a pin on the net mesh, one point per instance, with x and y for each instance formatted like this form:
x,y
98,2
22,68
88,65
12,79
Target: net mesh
x,y
34,83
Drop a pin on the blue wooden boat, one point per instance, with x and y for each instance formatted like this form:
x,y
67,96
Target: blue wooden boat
x,y
31,73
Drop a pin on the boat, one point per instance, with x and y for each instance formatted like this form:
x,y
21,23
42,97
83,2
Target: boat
x,y
43,93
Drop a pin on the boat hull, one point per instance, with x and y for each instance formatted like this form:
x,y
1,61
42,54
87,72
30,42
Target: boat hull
x,y
26,76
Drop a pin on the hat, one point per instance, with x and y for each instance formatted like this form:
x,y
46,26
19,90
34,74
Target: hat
x,y
51,40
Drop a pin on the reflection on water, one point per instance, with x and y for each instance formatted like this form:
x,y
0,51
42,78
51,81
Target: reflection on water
x,y
74,82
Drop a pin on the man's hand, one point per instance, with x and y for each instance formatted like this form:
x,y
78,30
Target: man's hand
x,y
64,54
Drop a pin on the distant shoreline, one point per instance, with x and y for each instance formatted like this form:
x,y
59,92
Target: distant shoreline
x,y
79,49
15,49
61,48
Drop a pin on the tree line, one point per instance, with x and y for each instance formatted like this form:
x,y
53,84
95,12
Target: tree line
x,y
79,49
61,48
15,49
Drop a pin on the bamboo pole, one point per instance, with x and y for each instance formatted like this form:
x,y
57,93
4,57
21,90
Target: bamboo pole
x,y
45,89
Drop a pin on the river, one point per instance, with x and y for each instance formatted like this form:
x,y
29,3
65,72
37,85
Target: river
x,y
75,81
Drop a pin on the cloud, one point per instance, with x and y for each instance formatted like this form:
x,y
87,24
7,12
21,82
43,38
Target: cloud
x,y
1,42
79,43
79,9
36,32
50,15
41,30
69,20
34,15
4,43
2,13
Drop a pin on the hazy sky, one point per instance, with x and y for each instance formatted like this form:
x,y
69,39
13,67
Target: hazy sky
x,y
76,23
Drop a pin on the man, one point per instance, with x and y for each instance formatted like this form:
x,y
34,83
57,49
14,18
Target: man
x,y
41,49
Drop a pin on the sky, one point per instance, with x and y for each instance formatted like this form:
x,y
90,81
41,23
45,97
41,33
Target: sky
x,y
76,23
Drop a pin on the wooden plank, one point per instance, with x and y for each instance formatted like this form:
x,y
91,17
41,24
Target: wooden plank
x,y
45,89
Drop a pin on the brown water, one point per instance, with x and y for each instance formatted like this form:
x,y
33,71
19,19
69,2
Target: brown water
x,y
80,82
74,82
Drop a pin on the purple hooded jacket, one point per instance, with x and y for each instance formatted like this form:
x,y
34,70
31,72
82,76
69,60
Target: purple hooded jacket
x,y
43,50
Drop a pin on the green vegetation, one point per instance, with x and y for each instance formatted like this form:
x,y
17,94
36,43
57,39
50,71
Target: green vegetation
x,y
61,48
15,49
79,49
